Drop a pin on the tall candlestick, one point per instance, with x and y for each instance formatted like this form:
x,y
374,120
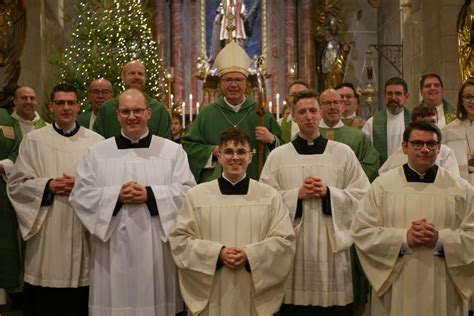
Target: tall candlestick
x,y
278,105
183,114
270,106
197,108
190,107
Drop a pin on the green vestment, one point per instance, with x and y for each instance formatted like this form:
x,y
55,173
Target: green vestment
x,y
108,125
360,144
200,141
10,263
84,118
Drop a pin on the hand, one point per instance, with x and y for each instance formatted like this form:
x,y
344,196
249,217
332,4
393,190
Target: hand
x,y
233,258
313,187
422,233
62,185
263,135
215,151
133,193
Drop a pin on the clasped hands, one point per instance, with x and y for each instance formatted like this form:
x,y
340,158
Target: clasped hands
x,y
233,257
62,185
133,193
313,187
422,233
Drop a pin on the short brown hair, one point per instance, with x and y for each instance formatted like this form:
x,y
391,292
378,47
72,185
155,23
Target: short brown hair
x,y
306,94
422,111
234,134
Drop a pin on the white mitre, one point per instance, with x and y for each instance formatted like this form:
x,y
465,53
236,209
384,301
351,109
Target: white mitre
x,y
232,58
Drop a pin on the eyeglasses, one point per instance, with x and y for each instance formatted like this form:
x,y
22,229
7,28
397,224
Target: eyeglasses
x,y
64,102
397,94
128,112
347,96
419,144
328,103
229,153
468,98
229,81
96,91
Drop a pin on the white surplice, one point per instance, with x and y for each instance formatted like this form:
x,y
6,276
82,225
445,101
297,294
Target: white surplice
x,y
259,223
57,246
321,273
418,282
132,271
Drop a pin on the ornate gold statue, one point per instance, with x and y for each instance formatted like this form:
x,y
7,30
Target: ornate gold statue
x,y
331,50
466,39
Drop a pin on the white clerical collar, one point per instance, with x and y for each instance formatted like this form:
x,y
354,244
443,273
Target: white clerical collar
x,y
422,175
35,119
324,125
134,141
237,107
234,183
392,116
66,132
353,115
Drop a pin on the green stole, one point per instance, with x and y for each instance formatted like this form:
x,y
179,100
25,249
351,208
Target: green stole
x,y
286,130
379,131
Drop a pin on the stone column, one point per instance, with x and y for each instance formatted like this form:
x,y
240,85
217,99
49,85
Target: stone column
x,y
306,65
177,49
291,37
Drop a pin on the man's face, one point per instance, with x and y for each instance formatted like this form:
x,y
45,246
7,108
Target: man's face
x,y
395,98
233,86
133,114
331,107
134,75
293,91
307,115
64,108
25,103
99,92
432,91
176,126
421,158
234,158
349,100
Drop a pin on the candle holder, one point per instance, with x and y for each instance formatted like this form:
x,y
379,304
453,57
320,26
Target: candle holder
x,y
169,76
292,72
368,89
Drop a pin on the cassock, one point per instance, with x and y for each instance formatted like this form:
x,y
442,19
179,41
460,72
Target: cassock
x,y
200,141
132,271
421,281
321,273
359,143
446,159
57,246
249,215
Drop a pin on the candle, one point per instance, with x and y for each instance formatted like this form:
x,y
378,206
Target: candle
x,y
172,100
270,106
197,108
183,113
278,105
190,107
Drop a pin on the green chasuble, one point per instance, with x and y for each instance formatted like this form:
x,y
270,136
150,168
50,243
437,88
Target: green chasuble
x,y
286,130
10,263
360,144
449,112
84,118
379,131
203,136
108,125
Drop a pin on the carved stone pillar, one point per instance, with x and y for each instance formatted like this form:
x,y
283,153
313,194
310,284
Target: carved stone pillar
x,y
177,49
307,57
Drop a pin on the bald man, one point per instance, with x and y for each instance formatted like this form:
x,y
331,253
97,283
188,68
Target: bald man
x,y
25,110
133,76
100,90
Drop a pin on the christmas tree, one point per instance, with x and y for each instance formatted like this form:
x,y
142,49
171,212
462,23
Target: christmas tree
x,y
108,34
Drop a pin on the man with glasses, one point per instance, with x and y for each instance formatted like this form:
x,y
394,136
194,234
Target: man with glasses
x,y
133,76
57,245
128,191
446,157
432,90
321,183
385,128
100,90
233,242
350,98
332,127
232,109
413,233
